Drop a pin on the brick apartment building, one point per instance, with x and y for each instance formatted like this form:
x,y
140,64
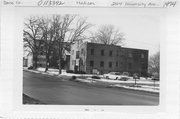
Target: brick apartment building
x,y
93,57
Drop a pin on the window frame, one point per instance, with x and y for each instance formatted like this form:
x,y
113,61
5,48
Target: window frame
x,y
117,64
110,53
110,64
101,62
91,63
102,52
92,51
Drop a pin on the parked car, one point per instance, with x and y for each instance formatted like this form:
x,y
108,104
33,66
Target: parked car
x,y
117,76
125,76
113,75
126,73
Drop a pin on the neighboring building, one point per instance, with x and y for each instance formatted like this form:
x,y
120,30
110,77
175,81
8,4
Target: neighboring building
x,y
25,62
54,59
93,58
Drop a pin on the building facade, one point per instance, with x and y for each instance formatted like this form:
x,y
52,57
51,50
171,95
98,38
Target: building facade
x,y
101,58
53,56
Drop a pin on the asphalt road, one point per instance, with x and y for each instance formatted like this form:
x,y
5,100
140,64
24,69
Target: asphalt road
x,y
53,90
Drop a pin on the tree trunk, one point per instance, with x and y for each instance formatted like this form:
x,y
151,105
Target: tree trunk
x,y
35,61
60,60
47,63
47,58
60,65
60,57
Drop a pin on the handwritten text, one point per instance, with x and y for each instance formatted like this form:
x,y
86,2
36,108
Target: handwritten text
x,y
50,3
84,3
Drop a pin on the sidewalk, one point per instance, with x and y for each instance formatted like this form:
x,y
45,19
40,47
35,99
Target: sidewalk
x,y
124,84
142,84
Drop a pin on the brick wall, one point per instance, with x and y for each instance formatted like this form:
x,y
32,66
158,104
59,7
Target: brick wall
x,y
108,58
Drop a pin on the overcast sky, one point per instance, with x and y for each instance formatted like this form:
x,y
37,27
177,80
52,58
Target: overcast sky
x,y
142,27
141,30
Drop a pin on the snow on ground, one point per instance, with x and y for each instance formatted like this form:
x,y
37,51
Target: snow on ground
x,y
120,84
128,81
87,79
50,71
142,88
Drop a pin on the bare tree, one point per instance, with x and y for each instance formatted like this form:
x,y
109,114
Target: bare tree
x,y
62,24
77,33
32,38
51,32
108,34
154,64
65,32
48,37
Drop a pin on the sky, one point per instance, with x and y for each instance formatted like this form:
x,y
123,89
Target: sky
x,y
141,31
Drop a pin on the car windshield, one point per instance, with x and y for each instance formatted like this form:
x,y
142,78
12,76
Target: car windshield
x,y
114,73
117,73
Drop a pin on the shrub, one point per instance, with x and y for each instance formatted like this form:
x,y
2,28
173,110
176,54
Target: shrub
x,y
74,77
31,67
80,72
69,71
95,77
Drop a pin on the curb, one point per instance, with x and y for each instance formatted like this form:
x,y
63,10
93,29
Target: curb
x,y
88,81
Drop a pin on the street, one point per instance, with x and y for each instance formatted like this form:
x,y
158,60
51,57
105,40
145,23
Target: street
x,y
56,91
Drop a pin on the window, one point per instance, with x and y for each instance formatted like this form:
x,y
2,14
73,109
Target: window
x,y
77,54
102,52
110,64
91,63
101,64
117,53
142,56
130,66
116,64
143,66
110,53
92,51
81,62
130,55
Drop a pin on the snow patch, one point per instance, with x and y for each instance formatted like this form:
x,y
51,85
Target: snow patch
x,y
141,88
